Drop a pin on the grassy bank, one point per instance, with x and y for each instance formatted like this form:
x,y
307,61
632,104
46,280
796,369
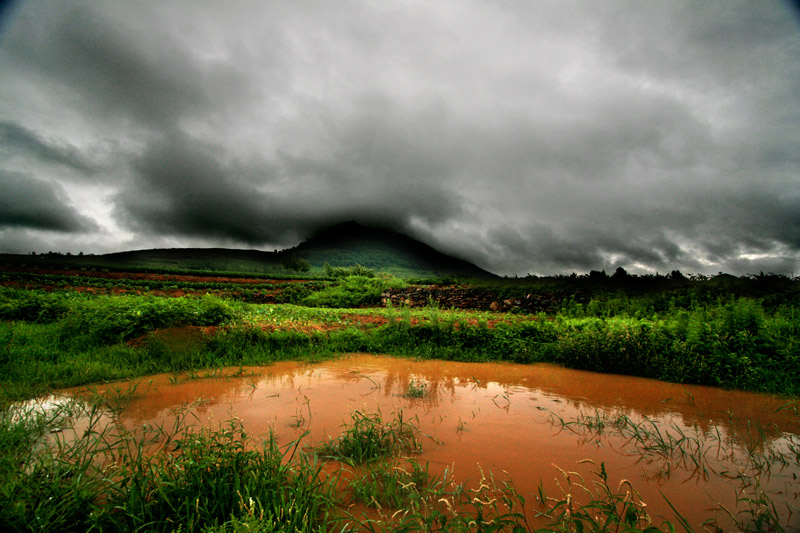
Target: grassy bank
x,y
60,339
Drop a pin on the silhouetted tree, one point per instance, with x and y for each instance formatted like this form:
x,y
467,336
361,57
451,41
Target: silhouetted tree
x,y
298,264
595,275
620,274
676,275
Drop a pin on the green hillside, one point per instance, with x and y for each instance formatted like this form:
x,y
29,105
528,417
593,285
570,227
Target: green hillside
x,y
383,251
341,245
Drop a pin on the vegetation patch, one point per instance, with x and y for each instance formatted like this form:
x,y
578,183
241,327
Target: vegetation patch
x,y
109,478
416,389
369,438
352,291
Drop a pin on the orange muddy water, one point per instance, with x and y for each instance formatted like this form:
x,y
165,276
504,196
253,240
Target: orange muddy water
x,y
523,421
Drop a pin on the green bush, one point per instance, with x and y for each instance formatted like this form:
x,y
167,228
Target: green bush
x,y
295,293
32,306
66,339
109,320
343,272
351,291
295,263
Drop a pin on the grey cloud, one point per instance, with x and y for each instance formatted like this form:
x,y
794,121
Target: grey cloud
x,y
718,224
749,217
713,42
184,187
15,138
28,202
117,65
550,251
530,137
181,188
115,71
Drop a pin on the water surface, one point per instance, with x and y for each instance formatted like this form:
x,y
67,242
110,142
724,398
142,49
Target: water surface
x,y
518,421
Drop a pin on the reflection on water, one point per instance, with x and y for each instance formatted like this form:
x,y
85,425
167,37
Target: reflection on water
x,y
696,445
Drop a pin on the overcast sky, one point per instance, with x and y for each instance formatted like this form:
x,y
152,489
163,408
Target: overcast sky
x,y
526,136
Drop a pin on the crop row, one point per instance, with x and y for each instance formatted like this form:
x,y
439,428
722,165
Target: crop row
x,y
68,281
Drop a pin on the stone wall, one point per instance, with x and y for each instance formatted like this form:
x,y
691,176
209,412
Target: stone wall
x,y
469,298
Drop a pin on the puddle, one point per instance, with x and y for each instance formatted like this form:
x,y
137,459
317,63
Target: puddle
x,y
520,420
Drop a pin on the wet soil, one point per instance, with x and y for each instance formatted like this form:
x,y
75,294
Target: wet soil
x,y
505,419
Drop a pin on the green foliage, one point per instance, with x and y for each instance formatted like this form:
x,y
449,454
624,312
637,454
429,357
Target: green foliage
x,y
64,339
295,263
111,479
32,306
368,438
108,320
343,272
40,488
216,476
352,291
294,293
220,481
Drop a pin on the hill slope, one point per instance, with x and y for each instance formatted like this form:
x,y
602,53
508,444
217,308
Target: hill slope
x,y
382,250
341,245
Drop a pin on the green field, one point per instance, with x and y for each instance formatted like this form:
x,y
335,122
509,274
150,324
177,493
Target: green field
x,y
727,332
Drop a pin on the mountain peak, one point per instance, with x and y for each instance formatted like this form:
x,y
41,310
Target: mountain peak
x,y
381,249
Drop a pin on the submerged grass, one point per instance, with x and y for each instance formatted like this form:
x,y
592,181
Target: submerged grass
x,y
416,389
368,438
421,502
390,485
703,454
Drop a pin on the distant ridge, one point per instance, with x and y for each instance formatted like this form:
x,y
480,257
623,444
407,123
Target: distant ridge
x,y
382,250
344,244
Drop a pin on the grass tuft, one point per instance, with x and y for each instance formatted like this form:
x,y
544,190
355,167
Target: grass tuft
x,y
369,438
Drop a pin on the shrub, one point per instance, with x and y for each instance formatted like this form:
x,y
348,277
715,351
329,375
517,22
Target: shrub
x,y
343,272
31,306
351,291
111,320
295,263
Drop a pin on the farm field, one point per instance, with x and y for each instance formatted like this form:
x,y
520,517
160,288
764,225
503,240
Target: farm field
x,y
85,353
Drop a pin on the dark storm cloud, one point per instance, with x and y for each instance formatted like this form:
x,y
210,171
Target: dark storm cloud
x,y
183,187
116,71
530,137
771,217
30,203
18,140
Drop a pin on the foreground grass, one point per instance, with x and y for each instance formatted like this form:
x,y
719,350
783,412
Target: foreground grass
x,y
109,478
103,476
